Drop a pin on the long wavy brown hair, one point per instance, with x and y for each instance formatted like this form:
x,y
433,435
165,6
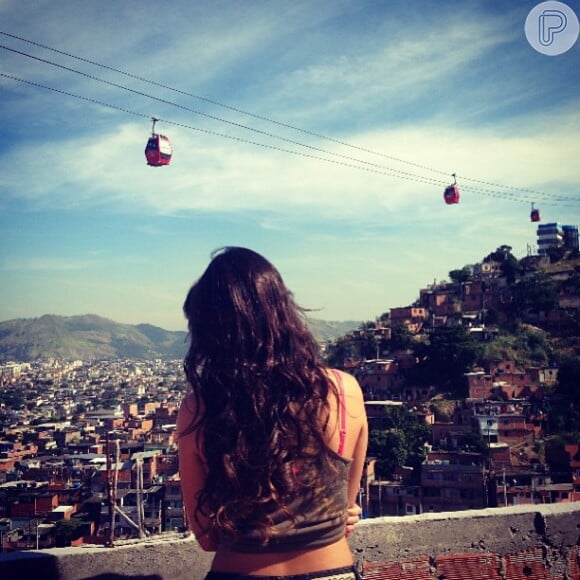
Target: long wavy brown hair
x,y
262,392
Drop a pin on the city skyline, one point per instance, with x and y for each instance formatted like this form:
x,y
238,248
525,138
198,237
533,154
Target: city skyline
x,y
319,134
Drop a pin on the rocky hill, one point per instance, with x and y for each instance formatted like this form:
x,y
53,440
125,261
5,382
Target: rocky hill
x,y
94,337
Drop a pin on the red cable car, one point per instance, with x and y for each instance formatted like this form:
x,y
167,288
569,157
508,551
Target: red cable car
x,y
158,150
534,214
451,193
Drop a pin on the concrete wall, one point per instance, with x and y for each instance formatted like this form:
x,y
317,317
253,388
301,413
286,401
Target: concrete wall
x,y
538,542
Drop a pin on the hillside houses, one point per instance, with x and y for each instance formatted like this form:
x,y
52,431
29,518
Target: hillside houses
x,y
486,295
506,380
486,450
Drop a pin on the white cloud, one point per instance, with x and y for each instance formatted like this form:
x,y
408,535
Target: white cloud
x,y
213,174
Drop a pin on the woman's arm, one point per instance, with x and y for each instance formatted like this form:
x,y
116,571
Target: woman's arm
x,y
358,459
353,517
192,472
356,469
356,445
357,433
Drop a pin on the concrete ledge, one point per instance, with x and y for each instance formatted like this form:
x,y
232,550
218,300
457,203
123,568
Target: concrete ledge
x,y
174,559
502,543
498,530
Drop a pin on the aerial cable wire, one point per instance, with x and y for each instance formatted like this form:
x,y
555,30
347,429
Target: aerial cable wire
x,y
209,132
370,169
222,105
424,179
383,170
285,125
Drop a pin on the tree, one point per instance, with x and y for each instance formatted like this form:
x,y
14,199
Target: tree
x,y
556,253
396,439
401,338
564,405
462,275
537,293
368,345
390,449
385,317
509,264
450,353
339,351
66,531
476,443
510,268
569,381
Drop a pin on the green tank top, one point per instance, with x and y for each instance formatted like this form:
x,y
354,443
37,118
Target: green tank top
x,y
318,521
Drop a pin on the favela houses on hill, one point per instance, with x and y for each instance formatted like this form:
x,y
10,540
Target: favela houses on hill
x,y
471,392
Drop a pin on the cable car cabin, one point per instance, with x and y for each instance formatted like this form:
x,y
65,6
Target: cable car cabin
x,y
451,194
535,215
158,150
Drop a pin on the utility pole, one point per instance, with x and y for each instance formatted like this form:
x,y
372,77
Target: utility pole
x,y
110,538
139,496
504,488
115,485
112,488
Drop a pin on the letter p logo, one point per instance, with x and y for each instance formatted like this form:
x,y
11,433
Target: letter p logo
x,y
552,28
551,22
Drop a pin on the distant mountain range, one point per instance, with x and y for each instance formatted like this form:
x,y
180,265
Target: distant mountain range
x,y
94,337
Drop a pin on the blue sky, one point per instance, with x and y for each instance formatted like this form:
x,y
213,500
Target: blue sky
x,y
390,98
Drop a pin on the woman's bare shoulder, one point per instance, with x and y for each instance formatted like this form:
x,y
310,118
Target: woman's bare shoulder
x,y
351,385
188,413
353,395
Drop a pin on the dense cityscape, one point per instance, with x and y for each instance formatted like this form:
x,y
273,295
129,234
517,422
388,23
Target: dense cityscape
x,y
88,451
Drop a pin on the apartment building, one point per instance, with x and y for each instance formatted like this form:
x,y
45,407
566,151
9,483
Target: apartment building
x,y
555,235
454,480
412,318
379,379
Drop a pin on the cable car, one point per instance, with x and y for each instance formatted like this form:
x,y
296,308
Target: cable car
x,y
158,150
451,193
534,214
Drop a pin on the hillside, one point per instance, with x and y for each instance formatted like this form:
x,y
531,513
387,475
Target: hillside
x,y
90,336
85,337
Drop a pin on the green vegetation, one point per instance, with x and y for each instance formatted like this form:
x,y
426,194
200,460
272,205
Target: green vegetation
x,y
462,275
66,531
510,267
85,337
564,406
526,346
401,338
535,293
444,359
91,337
398,439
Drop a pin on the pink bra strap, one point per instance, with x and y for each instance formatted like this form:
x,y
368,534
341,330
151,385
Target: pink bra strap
x,y
342,412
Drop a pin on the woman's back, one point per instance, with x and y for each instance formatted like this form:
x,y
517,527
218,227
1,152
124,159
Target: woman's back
x,y
271,444
247,555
